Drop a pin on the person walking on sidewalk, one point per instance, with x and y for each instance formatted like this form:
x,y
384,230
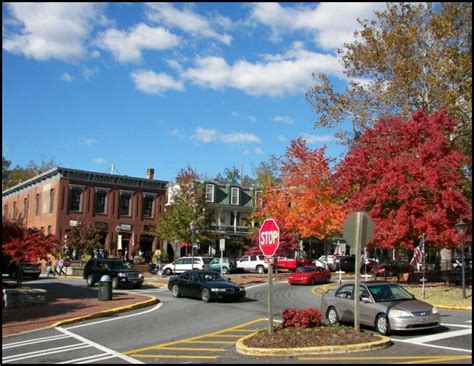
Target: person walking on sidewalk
x,y
56,267
49,268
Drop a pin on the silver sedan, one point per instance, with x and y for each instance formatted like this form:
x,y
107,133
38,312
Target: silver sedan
x,y
384,306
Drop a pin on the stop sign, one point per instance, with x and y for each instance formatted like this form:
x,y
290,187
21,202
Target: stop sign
x,y
269,237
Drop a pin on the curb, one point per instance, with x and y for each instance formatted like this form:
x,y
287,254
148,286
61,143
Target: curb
x,y
120,309
384,342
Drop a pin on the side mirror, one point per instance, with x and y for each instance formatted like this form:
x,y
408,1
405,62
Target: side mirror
x,y
366,300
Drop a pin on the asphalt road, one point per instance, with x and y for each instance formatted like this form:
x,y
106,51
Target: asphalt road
x,y
191,331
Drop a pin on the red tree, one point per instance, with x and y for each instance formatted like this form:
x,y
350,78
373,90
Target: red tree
x,y
26,245
407,175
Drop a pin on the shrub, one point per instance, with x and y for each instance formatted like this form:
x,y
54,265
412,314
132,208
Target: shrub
x,y
304,318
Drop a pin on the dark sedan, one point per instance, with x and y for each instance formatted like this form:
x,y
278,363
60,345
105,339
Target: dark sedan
x,y
205,285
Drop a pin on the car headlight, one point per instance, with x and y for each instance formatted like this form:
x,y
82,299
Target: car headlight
x,y
218,289
434,310
400,313
122,275
140,275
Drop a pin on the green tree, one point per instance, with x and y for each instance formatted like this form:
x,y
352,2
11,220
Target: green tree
x,y
11,177
83,238
188,216
234,176
411,56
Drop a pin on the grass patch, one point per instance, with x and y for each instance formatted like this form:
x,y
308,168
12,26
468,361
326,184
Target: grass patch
x,y
441,295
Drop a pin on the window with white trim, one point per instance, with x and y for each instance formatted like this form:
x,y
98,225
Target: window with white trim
x,y
125,203
75,198
209,192
234,196
148,204
100,203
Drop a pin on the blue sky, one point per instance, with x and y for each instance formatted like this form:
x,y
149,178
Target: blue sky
x,y
167,85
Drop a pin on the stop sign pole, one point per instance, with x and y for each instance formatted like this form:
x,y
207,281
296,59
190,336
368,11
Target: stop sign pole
x,y
269,241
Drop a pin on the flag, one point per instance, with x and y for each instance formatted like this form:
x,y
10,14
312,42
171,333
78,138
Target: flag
x,y
418,253
337,252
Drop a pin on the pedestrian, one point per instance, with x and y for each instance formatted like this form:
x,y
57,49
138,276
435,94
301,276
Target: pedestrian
x,y
56,267
61,267
49,268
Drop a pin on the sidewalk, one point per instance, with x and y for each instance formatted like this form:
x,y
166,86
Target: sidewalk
x,y
65,302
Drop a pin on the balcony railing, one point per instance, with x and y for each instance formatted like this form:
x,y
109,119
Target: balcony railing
x,y
231,228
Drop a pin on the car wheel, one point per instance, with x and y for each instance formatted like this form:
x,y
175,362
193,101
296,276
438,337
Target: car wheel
x,y
175,291
137,286
382,325
225,270
260,269
205,295
115,283
313,281
168,271
332,316
90,281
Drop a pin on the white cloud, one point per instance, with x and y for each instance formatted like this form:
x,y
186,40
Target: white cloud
x,y
211,135
332,24
99,160
312,139
282,138
252,118
128,46
288,73
46,31
285,119
189,21
88,142
150,82
258,151
65,76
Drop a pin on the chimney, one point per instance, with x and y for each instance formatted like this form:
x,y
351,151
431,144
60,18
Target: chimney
x,y
149,173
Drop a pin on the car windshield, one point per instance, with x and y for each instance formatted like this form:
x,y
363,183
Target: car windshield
x,y
120,265
389,292
211,276
306,269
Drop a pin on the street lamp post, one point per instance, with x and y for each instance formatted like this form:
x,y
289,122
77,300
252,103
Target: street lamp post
x,y
191,226
461,228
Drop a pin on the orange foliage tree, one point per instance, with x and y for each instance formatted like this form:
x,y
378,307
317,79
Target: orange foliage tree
x,y
304,202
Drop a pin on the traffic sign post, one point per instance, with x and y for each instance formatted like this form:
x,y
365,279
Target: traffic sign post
x,y
222,248
358,231
269,241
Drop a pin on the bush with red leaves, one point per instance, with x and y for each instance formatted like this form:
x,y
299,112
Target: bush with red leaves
x,y
304,318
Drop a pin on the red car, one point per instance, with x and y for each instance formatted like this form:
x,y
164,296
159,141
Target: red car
x,y
309,275
291,263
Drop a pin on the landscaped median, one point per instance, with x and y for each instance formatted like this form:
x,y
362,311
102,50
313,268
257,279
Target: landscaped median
x,y
368,342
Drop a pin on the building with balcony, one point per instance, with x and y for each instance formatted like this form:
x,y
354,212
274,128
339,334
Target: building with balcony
x,y
124,209
233,206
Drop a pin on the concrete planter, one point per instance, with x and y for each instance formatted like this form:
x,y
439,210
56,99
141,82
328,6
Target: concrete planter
x,y
15,298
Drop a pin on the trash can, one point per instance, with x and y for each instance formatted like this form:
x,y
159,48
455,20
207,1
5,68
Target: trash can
x,y
105,288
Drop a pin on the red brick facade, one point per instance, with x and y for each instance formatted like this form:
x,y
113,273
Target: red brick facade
x,y
45,202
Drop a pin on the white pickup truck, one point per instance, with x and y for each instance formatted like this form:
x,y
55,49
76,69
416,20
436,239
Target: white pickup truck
x,y
253,263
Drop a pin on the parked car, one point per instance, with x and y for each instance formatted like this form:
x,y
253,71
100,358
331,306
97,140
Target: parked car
x,y
390,268
228,265
121,272
27,269
291,263
329,259
206,285
251,263
185,264
309,275
345,263
385,306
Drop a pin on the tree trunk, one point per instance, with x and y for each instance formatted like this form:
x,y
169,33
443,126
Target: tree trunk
x,y
446,256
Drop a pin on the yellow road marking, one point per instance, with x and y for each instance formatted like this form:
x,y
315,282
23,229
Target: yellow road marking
x,y
224,336
192,339
209,342
439,359
388,358
192,349
174,356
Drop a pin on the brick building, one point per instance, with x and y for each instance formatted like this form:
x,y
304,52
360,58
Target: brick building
x,y
122,208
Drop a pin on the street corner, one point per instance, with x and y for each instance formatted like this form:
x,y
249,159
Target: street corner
x,y
116,310
382,342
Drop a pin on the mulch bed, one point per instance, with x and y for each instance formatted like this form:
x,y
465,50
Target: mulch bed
x,y
293,337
